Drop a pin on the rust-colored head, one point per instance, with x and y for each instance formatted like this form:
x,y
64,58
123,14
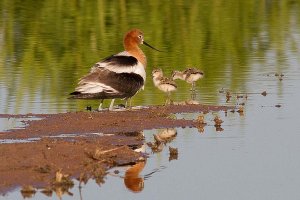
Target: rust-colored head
x,y
133,38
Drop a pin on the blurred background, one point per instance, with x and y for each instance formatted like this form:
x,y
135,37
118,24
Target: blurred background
x,y
46,46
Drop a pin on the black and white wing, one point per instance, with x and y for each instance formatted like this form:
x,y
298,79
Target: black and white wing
x,y
121,63
105,84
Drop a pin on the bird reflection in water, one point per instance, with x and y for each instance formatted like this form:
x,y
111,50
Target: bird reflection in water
x,y
200,123
161,138
133,177
218,121
133,180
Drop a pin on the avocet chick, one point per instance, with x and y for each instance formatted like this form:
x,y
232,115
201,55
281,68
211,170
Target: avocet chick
x,y
190,75
164,84
165,135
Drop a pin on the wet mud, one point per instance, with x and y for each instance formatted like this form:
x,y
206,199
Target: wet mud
x,y
105,122
93,142
37,163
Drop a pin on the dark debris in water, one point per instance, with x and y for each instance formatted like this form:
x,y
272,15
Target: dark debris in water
x,y
28,191
219,128
173,153
218,121
228,96
201,120
241,109
264,93
279,74
201,123
47,191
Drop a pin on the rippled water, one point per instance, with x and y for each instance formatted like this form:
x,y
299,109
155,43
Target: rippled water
x,y
239,46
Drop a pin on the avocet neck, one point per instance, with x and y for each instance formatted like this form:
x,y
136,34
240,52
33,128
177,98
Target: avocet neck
x,y
138,54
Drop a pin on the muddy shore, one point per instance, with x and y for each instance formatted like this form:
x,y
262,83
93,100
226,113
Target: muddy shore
x,y
93,142
105,122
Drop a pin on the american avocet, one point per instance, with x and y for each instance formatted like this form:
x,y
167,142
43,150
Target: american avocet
x,y
118,76
190,75
163,83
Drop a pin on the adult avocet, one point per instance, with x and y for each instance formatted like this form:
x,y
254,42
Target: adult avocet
x,y
118,76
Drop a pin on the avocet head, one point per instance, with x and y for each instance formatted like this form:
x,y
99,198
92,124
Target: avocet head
x,y
135,37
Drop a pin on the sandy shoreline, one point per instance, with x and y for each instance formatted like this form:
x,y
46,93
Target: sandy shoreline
x,y
88,155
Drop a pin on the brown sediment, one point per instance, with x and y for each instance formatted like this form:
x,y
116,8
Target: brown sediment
x,y
105,122
36,164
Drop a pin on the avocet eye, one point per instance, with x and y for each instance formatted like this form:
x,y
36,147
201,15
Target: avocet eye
x,y
140,36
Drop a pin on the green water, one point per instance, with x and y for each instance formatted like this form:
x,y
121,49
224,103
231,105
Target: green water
x,y
46,46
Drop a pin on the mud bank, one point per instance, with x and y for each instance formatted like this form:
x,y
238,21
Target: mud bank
x,y
93,142
37,163
105,122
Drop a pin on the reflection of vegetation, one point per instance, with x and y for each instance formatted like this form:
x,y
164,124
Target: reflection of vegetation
x,y
46,46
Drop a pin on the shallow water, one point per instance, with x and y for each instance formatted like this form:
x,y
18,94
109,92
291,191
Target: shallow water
x,y
15,123
239,46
